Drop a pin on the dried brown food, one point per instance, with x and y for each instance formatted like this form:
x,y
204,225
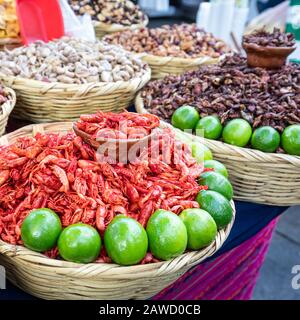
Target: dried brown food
x,y
231,90
267,39
184,40
122,12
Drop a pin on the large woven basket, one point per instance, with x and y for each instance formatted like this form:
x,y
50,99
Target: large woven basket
x,y
55,279
164,66
6,108
39,101
102,29
267,178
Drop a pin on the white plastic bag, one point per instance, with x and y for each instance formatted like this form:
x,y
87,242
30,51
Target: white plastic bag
x,y
79,27
203,13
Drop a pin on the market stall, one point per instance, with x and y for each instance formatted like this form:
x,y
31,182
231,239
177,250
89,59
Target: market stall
x,y
110,204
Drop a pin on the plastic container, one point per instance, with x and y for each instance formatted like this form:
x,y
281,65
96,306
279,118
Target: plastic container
x,y
40,20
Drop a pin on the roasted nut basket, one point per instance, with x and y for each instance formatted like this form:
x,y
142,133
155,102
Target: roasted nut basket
x,y
56,279
171,49
267,178
102,29
111,16
6,108
47,102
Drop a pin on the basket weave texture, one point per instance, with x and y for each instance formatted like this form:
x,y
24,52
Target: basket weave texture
x,y
56,279
43,102
102,29
256,176
164,66
6,109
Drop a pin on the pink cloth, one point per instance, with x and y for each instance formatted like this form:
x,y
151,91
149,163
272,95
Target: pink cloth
x,y
232,276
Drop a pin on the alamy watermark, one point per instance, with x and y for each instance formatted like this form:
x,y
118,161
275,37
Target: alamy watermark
x,y
2,278
296,279
131,145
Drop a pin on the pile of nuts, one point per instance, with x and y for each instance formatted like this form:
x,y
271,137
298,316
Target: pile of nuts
x,y
184,40
267,39
9,26
122,12
231,90
71,61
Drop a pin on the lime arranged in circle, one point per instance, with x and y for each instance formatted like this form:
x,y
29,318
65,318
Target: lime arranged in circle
x,y
185,117
201,228
217,182
290,139
265,139
217,206
79,243
41,229
125,241
237,132
167,235
201,152
211,126
217,166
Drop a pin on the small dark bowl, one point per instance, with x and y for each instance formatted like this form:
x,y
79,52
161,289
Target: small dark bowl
x,y
267,57
115,144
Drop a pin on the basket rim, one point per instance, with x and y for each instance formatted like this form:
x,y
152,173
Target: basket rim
x,y
151,58
7,41
46,86
8,105
187,259
256,155
116,27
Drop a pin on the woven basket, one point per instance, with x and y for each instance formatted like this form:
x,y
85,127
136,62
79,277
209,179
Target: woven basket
x,y
6,109
10,43
55,279
102,29
48,102
267,178
164,66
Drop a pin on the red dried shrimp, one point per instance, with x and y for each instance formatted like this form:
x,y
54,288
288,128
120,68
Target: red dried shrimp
x,y
125,125
61,173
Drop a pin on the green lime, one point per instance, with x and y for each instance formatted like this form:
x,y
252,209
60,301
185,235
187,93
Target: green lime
x,y
265,139
212,127
125,241
237,132
217,166
290,139
185,117
201,228
167,235
217,206
79,243
41,229
217,182
201,152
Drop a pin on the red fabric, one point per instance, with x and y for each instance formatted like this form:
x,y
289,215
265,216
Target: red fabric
x,y
232,276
